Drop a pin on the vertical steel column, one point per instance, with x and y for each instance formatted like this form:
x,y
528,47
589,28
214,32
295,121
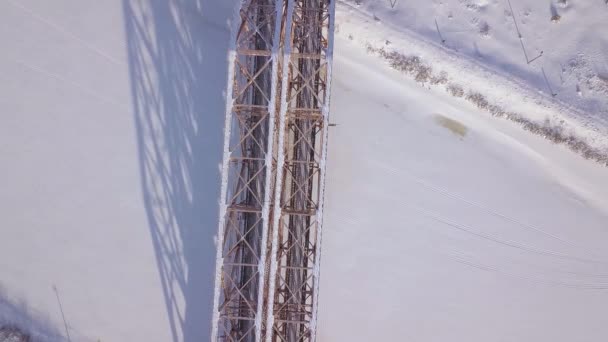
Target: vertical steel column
x,y
298,202
247,174
266,202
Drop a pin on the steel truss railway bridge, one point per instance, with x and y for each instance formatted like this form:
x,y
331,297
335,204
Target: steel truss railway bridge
x,y
271,210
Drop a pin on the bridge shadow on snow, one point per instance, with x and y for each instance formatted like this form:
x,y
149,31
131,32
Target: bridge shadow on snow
x,y
177,63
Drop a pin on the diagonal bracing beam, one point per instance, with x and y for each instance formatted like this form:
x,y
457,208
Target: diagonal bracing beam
x,y
300,176
271,210
247,176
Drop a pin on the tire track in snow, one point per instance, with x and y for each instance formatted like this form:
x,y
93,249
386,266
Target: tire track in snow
x,y
461,258
601,281
458,256
543,276
64,31
93,93
446,193
505,242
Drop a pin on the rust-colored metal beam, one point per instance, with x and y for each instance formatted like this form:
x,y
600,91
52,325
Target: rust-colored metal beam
x,y
267,271
248,174
302,139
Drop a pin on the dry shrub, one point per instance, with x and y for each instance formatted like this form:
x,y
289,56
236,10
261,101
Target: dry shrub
x,y
496,111
478,99
455,90
370,49
407,64
442,78
423,73
413,66
484,29
13,334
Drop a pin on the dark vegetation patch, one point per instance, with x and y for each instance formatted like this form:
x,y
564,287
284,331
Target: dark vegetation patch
x,y
414,67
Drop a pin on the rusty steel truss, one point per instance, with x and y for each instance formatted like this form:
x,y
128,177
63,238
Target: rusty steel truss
x,y
271,210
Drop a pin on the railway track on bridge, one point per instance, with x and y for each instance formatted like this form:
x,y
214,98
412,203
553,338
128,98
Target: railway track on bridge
x,y
267,272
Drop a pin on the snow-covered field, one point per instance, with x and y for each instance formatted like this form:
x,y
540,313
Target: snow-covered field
x,y
441,222
444,224
111,121
476,44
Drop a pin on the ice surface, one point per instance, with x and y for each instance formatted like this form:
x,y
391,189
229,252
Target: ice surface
x,y
483,234
111,131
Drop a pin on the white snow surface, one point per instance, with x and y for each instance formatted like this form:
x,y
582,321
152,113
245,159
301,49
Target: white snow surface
x,y
445,224
111,130
441,223
483,53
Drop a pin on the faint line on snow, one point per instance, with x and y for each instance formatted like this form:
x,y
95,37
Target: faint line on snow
x,y
77,85
460,257
491,211
505,242
453,254
469,262
66,32
509,243
65,323
445,192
